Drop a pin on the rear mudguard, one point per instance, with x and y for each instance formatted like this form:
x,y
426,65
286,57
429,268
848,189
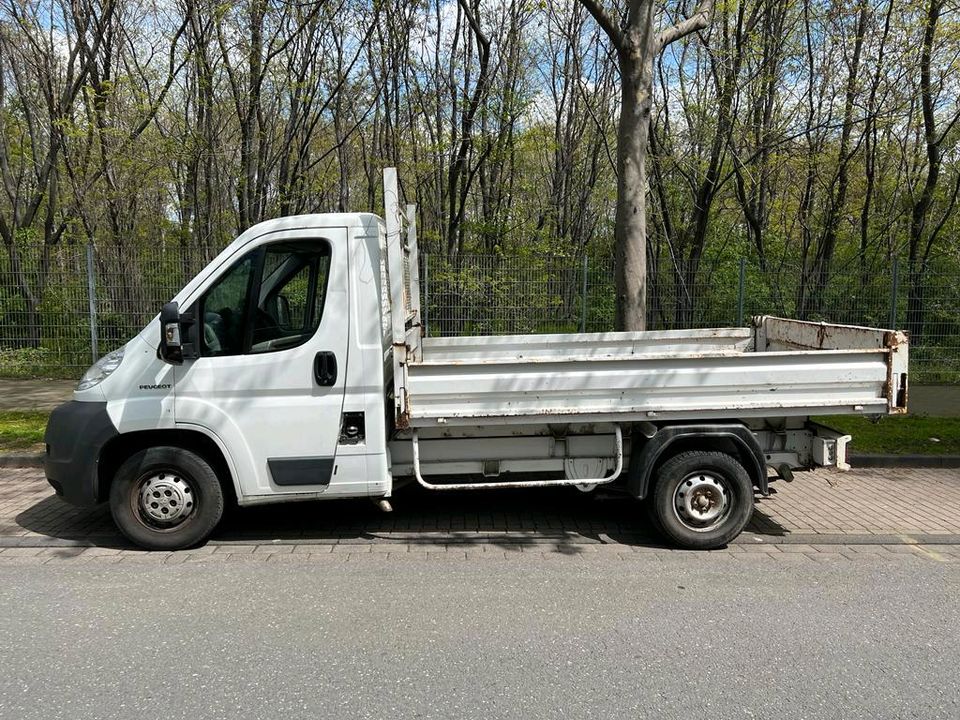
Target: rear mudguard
x,y
647,451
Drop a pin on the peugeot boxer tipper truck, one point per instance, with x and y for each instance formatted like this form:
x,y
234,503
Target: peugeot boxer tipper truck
x,y
295,367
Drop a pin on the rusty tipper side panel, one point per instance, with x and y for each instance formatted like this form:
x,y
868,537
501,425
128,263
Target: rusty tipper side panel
x,y
779,368
773,333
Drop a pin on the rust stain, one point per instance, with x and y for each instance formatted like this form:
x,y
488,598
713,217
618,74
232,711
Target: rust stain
x,y
403,418
821,335
896,396
888,384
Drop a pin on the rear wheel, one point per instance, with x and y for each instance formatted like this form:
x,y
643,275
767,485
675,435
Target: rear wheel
x,y
702,500
166,498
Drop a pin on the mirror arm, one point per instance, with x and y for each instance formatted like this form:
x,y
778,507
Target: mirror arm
x,y
189,350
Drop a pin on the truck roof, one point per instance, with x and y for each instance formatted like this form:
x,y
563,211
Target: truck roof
x,y
313,220
368,222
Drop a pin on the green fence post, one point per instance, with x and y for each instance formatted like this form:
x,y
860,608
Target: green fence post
x,y
92,303
740,291
583,295
893,294
426,294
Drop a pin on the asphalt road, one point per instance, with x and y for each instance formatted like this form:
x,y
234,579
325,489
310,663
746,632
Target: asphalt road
x,y
678,637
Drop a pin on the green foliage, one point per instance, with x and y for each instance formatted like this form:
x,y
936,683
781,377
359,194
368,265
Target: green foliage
x,y
23,362
21,430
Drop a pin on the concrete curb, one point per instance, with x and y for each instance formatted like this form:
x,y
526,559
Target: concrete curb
x,y
435,538
905,461
21,461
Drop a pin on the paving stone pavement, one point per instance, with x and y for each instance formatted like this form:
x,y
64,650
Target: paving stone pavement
x,y
823,516
35,394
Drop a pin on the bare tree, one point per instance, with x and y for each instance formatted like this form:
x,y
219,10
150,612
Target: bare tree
x,y
48,67
710,119
762,126
637,46
581,82
826,244
924,233
268,30
461,175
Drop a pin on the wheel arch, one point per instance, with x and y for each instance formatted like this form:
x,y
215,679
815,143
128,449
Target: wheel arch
x,y
732,438
123,446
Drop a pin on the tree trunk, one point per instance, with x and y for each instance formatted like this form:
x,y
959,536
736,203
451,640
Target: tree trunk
x,y
637,46
630,234
916,301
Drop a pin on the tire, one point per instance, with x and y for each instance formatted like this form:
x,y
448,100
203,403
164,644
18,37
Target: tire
x,y
650,509
166,498
712,507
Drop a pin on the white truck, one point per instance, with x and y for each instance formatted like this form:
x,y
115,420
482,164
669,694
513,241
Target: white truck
x,y
295,367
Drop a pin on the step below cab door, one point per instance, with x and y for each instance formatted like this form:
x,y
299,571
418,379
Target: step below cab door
x,y
272,331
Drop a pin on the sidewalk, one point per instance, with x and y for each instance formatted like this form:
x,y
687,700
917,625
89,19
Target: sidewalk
x,y
865,507
34,394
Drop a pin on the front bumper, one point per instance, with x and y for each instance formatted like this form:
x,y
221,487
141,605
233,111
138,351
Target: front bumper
x,y
76,434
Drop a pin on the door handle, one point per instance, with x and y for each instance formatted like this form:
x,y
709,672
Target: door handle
x,y
325,368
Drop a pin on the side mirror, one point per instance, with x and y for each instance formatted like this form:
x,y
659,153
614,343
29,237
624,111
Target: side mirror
x,y
171,345
177,336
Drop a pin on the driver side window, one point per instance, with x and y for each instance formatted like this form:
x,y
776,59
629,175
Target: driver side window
x,y
271,300
224,310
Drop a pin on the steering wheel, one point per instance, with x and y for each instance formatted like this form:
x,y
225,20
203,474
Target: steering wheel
x,y
210,339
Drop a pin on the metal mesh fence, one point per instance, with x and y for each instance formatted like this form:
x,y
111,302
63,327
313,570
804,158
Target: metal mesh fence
x,y
62,307
490,295
484,294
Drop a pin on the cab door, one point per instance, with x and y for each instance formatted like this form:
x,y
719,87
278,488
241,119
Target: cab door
x,y
272,332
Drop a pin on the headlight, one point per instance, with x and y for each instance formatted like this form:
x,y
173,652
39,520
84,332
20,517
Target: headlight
x,y
101,369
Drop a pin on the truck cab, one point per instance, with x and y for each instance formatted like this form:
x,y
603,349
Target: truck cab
x,y
279,376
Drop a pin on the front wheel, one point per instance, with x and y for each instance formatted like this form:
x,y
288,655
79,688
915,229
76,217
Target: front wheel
x,y
702,500
166,498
